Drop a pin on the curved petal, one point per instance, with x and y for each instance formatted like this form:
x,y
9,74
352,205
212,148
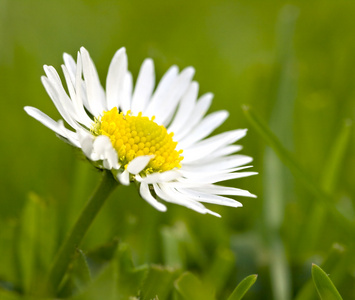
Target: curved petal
x,y
123,177
94,90
144,87
160,177
126,93
196,115
222,163
116,78
205,128
161,92
138,164
206,147
167,107
185,108
210,198
173,196
147,196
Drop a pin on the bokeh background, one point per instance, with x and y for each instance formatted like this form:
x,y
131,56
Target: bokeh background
x,y
291,62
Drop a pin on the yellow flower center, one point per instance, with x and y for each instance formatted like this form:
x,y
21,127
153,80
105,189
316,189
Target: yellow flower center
x,y
134,136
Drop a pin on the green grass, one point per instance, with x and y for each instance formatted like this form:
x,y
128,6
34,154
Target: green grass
x,y
291,62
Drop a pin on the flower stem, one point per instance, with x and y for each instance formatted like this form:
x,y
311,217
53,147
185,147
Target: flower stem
x,y
75,236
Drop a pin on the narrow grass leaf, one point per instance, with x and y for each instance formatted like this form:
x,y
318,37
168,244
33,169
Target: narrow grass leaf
x,y
325,287
277,180
35,240
173,254
285,156
336,157
311,229
243,287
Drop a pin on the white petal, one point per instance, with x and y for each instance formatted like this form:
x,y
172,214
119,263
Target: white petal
x,y
103,150
219,163
168,106
210,198
59,97
80,88
57,127
80,114
195,117
147,196
185,109
224,190
224,151
94,90
138,164
162,91
70,65
126,93
101,143
111,159
207,146
123,177
160,177
196,173
86,141
116,78
205,128
44,119
216,177
144,87
173,196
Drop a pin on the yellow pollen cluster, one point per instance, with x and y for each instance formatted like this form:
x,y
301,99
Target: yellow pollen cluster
x,y
134,136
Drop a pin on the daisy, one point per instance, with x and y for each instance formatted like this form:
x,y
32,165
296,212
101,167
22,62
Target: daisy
x,y
158,137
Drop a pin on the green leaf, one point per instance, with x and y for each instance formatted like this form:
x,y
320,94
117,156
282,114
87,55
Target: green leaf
x,y
159,282
116,278
189,287
102,287
325,287
35,240
220,269
101,256
311,229
336,157
243,287
335,256
78,276
129,278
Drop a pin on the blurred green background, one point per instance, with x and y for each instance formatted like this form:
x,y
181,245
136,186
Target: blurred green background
x,y
291,62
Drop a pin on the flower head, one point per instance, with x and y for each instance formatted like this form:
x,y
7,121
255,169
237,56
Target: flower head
x,y
158,137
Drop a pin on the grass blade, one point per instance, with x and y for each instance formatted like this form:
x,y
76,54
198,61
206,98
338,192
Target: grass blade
x,y
324,286
188,287
243,287
286,157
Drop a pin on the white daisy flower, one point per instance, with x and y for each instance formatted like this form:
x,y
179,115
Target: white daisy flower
x,y
158,137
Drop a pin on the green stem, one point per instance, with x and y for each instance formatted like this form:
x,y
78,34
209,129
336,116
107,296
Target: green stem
x,y
75,236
